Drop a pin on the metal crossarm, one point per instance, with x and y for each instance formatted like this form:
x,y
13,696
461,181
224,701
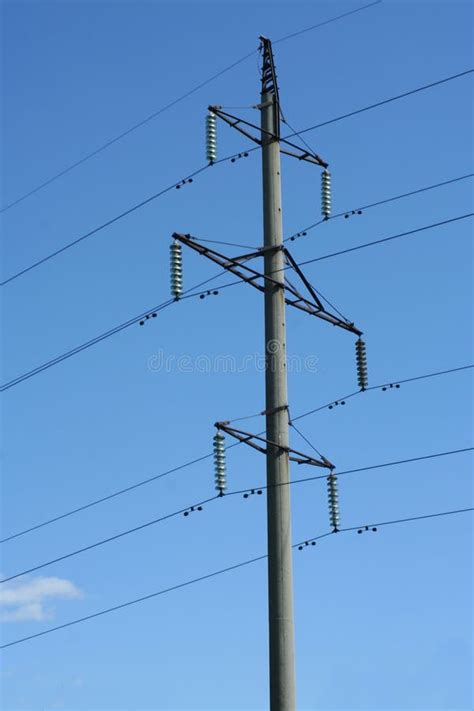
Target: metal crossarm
x,y
253,441
257,279
238,123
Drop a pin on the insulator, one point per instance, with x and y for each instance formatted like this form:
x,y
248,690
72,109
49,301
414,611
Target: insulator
x,y
176,270
211,137
326,194
333,501
219,463
361,361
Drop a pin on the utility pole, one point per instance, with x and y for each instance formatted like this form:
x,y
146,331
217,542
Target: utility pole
x,y
277,293
280,568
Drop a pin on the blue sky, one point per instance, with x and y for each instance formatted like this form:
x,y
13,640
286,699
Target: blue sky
x,y
382,620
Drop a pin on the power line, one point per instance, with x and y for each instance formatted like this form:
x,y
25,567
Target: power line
x,y
379,386
120,327
204,457
229,158
412,192
125,133
170,105
387,239
214,574
107,334
424,517
125,490
102,542
398,462
326,22
83,346
302,233
136,600
188,179
198,505
423,377
383,102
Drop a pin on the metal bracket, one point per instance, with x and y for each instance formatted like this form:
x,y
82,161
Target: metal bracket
x,y
252,440
257,279
275,409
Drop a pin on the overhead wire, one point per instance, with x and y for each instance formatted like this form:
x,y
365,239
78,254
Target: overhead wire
x,y
194,506
387,239
135,601
389,100
197,460
302,232
111,332
170,105
109,539
177,184
25,376
425,376
370,467
125,133
298,33
423,517
408,194
446,513
214,574
190,177
108,497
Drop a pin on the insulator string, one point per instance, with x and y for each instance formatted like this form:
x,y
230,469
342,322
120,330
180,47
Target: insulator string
x,y
176,267
220,462
333,501
211,137
361,360
326,194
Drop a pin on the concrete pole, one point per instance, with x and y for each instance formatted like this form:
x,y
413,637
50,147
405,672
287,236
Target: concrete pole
x,y
280,575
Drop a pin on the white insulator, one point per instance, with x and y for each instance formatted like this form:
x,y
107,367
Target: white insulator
x,y
220,477
211,137
361,361
333,502
326,194
176,270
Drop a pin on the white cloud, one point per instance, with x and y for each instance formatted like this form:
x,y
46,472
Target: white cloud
x,y
24,601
